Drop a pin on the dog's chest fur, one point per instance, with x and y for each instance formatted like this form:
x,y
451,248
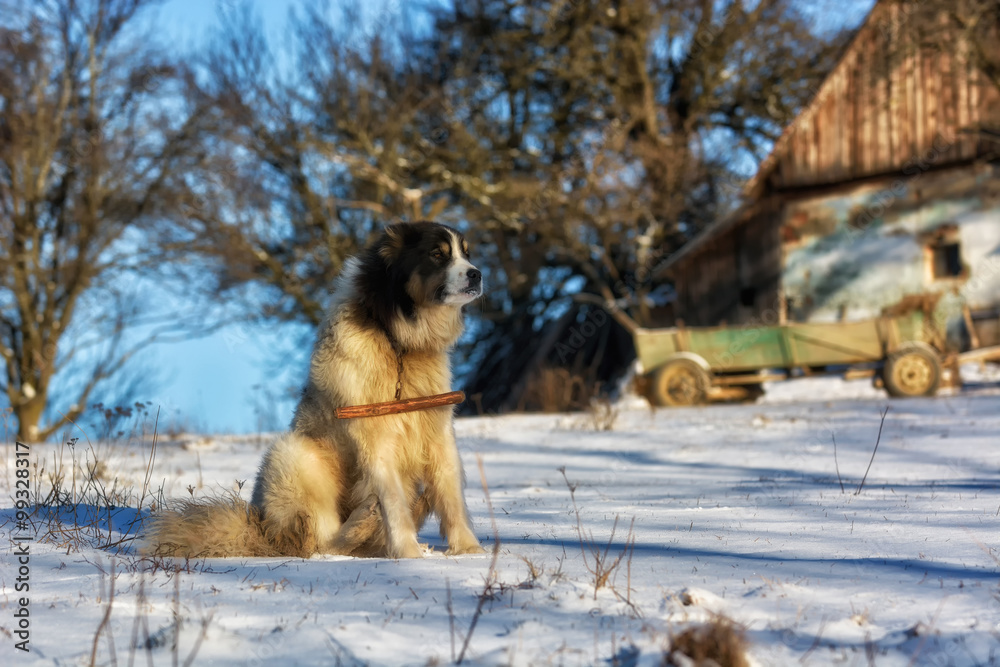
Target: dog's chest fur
x,y
355,364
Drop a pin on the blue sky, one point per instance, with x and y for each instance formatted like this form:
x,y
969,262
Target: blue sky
x,y
216,384
190,21
233,380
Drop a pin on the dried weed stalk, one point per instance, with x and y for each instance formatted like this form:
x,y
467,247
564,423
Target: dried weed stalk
x,y
600,562
491,574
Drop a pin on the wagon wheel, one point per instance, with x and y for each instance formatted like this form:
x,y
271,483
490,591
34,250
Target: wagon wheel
x,y
679,382
912,371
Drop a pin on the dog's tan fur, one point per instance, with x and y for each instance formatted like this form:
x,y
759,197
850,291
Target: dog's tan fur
x,y
355,486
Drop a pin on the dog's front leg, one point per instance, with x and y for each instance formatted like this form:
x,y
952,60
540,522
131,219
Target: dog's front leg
x,y
445,482
401,533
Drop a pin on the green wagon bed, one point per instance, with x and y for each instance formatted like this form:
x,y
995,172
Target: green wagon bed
x,y
690,365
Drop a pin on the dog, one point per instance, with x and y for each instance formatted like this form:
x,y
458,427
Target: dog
x,y
363,486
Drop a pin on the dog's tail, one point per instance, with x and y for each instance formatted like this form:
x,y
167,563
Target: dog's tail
x,y
208,528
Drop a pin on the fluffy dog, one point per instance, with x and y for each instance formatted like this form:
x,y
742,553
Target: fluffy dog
x,y
359,486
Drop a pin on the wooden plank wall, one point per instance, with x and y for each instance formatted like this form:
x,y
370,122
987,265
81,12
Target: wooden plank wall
x,y
709,282
887,102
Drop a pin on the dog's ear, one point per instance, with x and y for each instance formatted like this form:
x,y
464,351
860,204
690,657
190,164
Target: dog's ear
x,y
392,243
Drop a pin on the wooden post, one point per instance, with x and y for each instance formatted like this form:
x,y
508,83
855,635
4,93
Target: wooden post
x,y
970,325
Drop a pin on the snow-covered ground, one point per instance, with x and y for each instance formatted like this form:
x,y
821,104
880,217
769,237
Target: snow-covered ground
x,y
738,511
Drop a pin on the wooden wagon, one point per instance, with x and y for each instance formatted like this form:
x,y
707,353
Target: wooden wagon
x,y
691,365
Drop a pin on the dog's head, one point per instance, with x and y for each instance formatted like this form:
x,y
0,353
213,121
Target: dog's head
x,y
432,260
415,265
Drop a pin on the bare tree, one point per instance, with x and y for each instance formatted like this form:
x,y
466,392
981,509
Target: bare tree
x,y
88,168
579,142
313,150
618,129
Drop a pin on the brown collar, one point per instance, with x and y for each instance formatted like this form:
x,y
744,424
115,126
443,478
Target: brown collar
x,y
398,406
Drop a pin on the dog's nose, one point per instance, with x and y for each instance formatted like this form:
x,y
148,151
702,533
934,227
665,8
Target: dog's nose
x,y
475,276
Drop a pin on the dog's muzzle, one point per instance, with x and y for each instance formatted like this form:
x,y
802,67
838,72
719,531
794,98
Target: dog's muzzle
x,y
475,280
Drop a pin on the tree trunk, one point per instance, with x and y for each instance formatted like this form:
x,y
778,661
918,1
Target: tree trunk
x,y
28,414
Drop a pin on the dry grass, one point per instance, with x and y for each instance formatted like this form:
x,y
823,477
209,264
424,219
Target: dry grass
x,y
490,580
603,414
169,634
718,643
600,562
534,572
78,496
558,390
79,501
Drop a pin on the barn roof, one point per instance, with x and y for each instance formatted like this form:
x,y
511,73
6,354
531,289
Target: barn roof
x,y
782,146
733,218
878,109
710,232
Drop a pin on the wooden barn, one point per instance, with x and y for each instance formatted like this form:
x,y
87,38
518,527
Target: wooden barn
x,y
884,190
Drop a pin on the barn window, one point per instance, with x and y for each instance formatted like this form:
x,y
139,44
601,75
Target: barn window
x,y
943,253
947,260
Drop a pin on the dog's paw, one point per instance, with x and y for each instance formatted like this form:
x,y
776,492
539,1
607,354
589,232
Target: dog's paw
x,y
410,549
465,548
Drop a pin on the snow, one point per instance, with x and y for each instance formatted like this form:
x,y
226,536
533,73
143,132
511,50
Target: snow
x,y
738,511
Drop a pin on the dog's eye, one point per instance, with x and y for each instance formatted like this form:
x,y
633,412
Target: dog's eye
x,y
437,254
